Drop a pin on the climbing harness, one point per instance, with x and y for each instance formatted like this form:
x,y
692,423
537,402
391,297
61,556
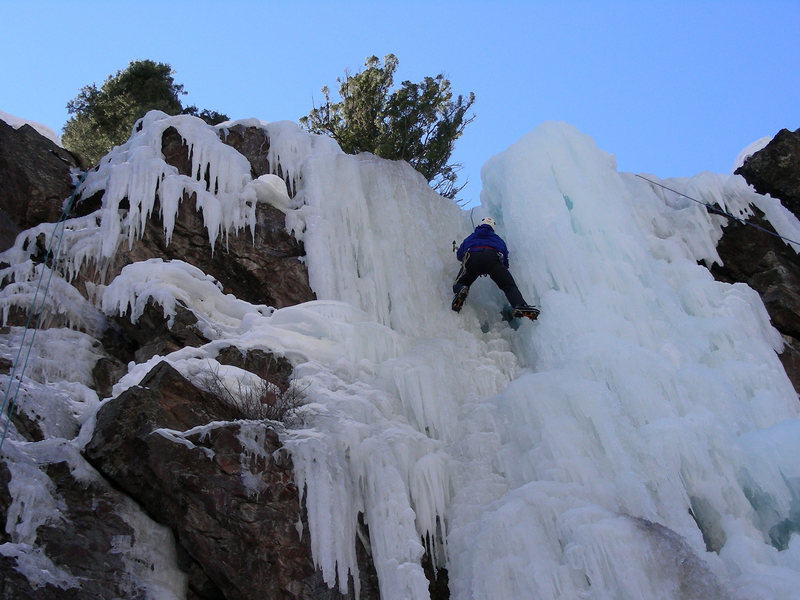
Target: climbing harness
x,y
8,406
719,211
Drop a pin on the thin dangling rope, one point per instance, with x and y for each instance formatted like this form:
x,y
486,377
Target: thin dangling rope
x,y
56,234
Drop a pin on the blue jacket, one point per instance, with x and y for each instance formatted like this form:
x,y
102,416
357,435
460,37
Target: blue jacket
x,y
484,236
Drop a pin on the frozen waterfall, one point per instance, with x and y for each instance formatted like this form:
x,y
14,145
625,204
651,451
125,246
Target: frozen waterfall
x,y
638,441
634,442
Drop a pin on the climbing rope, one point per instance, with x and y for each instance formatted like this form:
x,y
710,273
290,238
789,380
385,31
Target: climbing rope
x,y
719,211
8,406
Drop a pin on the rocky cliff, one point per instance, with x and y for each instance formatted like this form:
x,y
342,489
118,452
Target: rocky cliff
x,y
226,509
177,467
36,178
759,258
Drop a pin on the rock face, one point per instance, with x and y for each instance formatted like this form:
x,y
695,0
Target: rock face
x,y
87,543
765,262
170,462
264,270
775,169
180,469
34,180
261,269
226,490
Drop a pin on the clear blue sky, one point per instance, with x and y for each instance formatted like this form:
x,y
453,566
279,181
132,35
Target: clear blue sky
x,y
671,88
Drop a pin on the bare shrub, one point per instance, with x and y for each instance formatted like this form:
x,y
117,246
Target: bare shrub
x,y
263,400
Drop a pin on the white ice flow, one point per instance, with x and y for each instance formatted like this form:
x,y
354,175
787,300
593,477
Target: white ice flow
x,y
637,441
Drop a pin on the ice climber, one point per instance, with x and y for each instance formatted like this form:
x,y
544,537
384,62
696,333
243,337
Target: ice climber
x,y
484,252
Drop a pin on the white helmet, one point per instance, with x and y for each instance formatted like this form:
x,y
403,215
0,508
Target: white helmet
x,y
488,221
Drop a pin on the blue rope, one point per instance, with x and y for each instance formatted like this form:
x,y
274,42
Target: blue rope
x,y
60,235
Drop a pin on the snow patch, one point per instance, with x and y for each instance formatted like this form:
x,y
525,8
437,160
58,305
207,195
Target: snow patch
x,y
43,130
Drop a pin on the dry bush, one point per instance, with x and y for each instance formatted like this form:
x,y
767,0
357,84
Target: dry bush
x,y
263,401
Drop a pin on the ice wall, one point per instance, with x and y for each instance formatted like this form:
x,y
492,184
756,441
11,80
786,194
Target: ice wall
x,y
379,240
623,459
646,378
635,442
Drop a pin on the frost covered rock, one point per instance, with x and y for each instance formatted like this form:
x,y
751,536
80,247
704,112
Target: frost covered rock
x,y
765,262
775,170
240,514
253,143
637,441
153,333
263,270
224,486
261,264
772,268
36,179
71,536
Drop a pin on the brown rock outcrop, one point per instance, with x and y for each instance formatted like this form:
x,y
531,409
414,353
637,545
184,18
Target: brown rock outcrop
x,y
226,490
261,268
35,180
775,169
763,261
235,516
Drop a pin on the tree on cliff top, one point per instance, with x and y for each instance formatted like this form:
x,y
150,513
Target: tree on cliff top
x,y
103,117
418,122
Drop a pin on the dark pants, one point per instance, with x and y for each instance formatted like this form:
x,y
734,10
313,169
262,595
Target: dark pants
x,y
487,262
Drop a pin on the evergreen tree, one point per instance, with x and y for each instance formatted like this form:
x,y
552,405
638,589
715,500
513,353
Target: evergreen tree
x,y
211,117
418,122
103,118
